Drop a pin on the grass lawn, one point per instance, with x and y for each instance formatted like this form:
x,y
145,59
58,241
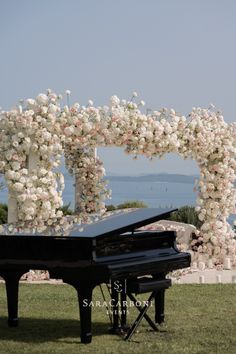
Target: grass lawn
x,y
199,319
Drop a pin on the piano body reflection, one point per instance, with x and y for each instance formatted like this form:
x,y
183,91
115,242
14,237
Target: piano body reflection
x,y
107,250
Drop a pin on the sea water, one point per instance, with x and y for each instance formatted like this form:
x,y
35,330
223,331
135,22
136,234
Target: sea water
x,y
153,194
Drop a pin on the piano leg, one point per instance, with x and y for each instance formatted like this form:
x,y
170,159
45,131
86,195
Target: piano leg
x,y
160,306
85,298
115,308
84,292
123,298
119,307
12,278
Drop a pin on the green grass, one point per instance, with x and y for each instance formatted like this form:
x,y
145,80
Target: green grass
x,y
199,319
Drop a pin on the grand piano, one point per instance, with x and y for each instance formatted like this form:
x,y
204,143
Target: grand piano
x,y
108,250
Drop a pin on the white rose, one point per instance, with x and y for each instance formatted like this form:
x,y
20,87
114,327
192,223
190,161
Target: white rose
x,y
30,102
59,213
44,110
22,180
44,180
34,147
201,216
8,155
42,99
46,205
18,186
17,175
87,127
42,171
69,131
30,211
44,196
2,164
219,224
43,149
21,197
10,174
40,140
15,165
46,136
214,240
52,108
115,101
33,197
76,106
24,171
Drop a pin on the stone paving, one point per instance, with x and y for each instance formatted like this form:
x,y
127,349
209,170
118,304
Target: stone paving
x,y
207,276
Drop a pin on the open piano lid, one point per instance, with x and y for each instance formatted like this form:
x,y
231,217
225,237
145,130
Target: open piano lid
x,y
122,222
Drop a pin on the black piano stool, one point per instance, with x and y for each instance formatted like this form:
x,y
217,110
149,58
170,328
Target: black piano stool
x,y
157,288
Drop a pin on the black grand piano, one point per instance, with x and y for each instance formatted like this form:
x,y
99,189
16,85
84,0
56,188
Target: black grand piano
x,y
109,249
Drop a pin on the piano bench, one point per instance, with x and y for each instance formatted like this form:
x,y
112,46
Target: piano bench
x,y
145,285
157,288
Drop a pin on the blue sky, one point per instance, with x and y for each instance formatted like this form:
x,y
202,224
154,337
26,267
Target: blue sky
x,y
174,53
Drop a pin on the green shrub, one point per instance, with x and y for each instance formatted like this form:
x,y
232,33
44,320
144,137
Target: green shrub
x,y
3,213
186,214
132,204
110,207
66,210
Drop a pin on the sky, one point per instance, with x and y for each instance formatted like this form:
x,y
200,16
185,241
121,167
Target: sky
x,y
175,53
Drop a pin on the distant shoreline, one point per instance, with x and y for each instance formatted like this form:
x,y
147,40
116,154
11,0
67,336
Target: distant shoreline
x,y
160,177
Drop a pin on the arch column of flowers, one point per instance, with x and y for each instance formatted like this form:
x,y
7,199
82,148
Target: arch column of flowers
x,y
30,147
90,188
205,137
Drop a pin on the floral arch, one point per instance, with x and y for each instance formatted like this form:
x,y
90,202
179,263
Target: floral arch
x,y
34,135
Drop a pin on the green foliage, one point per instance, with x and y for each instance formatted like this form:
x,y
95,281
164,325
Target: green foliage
x,y
132,204
3,213
66,210
110,207
127,204
186,214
